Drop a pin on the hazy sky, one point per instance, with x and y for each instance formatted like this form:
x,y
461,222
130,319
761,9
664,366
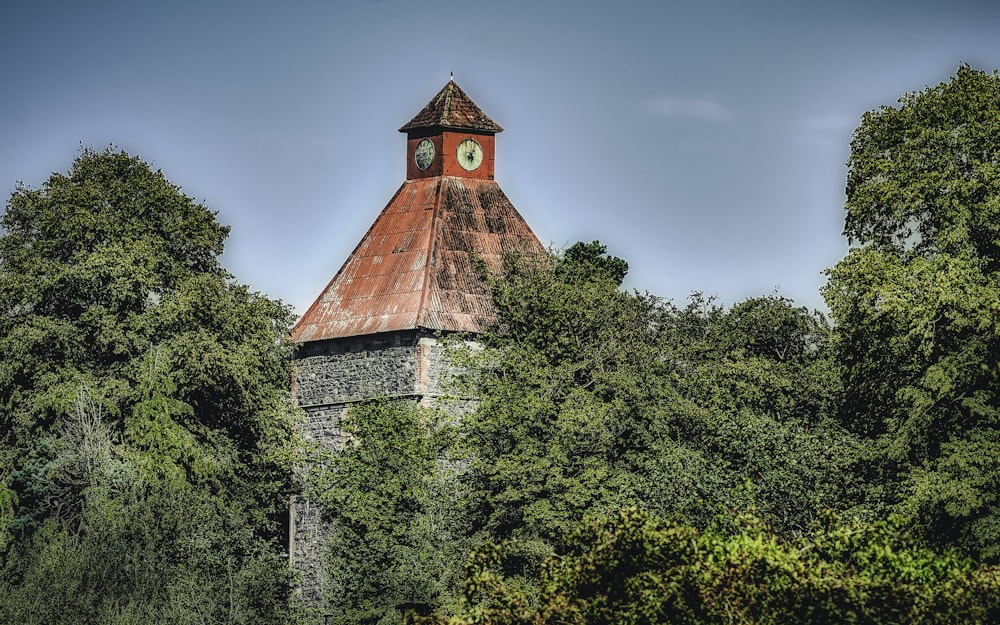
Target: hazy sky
x,y
704,142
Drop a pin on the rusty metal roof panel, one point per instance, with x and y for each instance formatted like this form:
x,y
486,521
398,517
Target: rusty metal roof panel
x,y
452,108
376,286
413,268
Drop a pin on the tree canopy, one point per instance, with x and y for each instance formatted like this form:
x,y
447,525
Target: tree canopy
x,y
923,177
144,409
916,305
631,567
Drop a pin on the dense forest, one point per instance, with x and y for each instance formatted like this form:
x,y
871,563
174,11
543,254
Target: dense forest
x,y
630,459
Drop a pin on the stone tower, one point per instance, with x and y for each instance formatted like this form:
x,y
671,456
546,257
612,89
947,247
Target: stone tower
x,y
372,331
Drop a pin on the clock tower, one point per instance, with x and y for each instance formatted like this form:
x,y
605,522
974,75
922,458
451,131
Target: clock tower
x,y
451,136
373,331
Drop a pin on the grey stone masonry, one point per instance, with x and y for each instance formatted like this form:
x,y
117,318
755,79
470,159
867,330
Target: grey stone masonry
x,y
349,370
330,377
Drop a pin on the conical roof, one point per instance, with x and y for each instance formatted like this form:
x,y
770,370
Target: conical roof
x,y
414,267
452,108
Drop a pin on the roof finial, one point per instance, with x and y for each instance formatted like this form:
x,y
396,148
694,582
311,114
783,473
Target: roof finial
x,y
453,76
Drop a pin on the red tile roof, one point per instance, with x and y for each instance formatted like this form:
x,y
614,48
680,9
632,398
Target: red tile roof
x,y
413,268
452,108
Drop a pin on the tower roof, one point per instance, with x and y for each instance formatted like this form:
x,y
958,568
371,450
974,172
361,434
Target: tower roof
x,y
452,108
414,267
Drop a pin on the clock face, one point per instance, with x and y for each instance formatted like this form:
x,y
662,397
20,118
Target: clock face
x,y
470,154
423,156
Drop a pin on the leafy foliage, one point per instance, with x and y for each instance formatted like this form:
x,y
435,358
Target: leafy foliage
x,y
390,498
916,306
145,552
594,398
570,360
591,399
144,407
631,567
923,177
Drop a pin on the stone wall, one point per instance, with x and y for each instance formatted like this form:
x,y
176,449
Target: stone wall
x,y
349,370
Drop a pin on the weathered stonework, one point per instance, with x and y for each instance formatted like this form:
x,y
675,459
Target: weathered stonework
x,y
357,368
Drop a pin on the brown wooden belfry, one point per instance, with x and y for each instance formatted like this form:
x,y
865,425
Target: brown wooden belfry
x,y
412,269
373,331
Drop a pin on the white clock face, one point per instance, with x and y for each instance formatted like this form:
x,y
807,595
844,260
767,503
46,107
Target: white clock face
x,y
470,154
423,156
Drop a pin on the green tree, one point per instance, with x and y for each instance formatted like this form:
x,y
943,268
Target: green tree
x,y
562,383
8,501
590,399
916,303
758,390
593,398
923,177
395,543
631,567
130,352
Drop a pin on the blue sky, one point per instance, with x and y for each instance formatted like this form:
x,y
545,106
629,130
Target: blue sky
x,y
704,142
